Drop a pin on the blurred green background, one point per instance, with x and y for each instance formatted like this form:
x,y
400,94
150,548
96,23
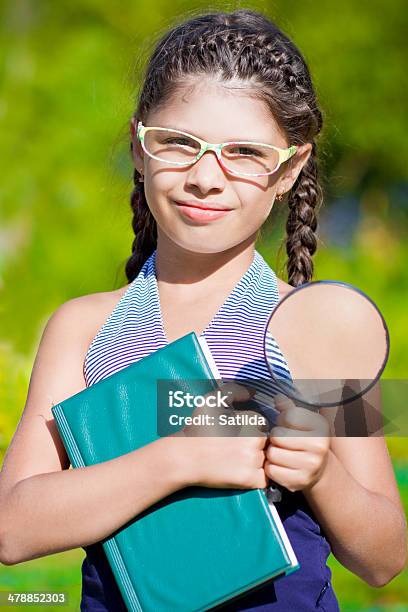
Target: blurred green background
x,y
69,77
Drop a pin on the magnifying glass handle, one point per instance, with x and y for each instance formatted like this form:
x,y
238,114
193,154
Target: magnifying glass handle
x,y
274,493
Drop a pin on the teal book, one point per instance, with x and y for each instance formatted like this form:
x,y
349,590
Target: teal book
x,y
198,547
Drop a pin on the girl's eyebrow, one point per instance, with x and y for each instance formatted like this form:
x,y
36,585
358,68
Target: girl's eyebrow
x,y
174,126
234,139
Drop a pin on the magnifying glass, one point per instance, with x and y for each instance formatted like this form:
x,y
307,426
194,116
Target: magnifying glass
x,y
325,345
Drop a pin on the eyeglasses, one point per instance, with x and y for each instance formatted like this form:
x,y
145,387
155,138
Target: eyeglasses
x,y
243,158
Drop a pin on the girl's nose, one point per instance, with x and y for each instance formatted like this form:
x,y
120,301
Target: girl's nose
x,y
207,173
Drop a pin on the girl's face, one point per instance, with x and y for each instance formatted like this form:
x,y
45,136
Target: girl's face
x,y
214,113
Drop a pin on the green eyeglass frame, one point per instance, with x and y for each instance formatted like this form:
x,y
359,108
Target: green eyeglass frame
x,y
284,154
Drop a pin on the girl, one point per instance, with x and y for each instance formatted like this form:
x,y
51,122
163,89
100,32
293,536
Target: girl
x,y
219,77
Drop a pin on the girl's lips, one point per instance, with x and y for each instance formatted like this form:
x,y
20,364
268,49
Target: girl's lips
x,y
200,214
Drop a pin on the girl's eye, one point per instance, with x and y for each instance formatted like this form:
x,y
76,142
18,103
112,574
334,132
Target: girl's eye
x,y
243,150
180,140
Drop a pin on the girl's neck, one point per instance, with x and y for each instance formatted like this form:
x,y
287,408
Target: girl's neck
x,y
179,267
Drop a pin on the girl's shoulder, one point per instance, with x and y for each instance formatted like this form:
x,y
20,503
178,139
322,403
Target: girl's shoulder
x,y
283,288
90,311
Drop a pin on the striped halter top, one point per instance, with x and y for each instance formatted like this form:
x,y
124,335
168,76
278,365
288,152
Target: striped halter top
x,y
235,337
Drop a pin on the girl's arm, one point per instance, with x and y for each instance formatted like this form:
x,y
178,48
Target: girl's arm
x,y
46,508
348,482
357,504
357,500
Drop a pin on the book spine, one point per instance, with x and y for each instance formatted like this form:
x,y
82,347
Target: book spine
x,y
274,519
116,561
283,535
110,546
205,350
69,441
207,360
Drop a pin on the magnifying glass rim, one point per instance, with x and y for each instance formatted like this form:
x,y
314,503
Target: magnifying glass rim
x,y
387,336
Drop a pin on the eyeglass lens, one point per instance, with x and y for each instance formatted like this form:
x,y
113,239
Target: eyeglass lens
x,y
172,147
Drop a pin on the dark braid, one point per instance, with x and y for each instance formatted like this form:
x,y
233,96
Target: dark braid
x,y
144,227
304,201
242,45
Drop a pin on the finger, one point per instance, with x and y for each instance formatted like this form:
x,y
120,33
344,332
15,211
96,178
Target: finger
x,y
296,417
236,392
253,423
266,427
262,479
259,458
289,438
293,459
282,475
282,402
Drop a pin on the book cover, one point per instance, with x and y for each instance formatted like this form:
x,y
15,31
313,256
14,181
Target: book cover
x,y
199,546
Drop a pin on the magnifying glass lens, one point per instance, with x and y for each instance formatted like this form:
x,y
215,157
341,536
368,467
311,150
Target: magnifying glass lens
x,y
326,343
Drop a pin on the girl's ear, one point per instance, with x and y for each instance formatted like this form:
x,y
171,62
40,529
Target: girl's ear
x,y
137,151
294,167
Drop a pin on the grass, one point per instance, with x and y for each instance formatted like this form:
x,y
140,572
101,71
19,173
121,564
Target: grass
x,y
55,573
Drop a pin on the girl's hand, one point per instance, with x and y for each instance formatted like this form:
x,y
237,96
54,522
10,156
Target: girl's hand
x,y
298,446
217,455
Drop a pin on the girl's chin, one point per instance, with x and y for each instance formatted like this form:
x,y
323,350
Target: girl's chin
x,y
203,238
201,242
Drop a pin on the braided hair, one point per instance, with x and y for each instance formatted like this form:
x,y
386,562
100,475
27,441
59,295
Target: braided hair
x,y
244,45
